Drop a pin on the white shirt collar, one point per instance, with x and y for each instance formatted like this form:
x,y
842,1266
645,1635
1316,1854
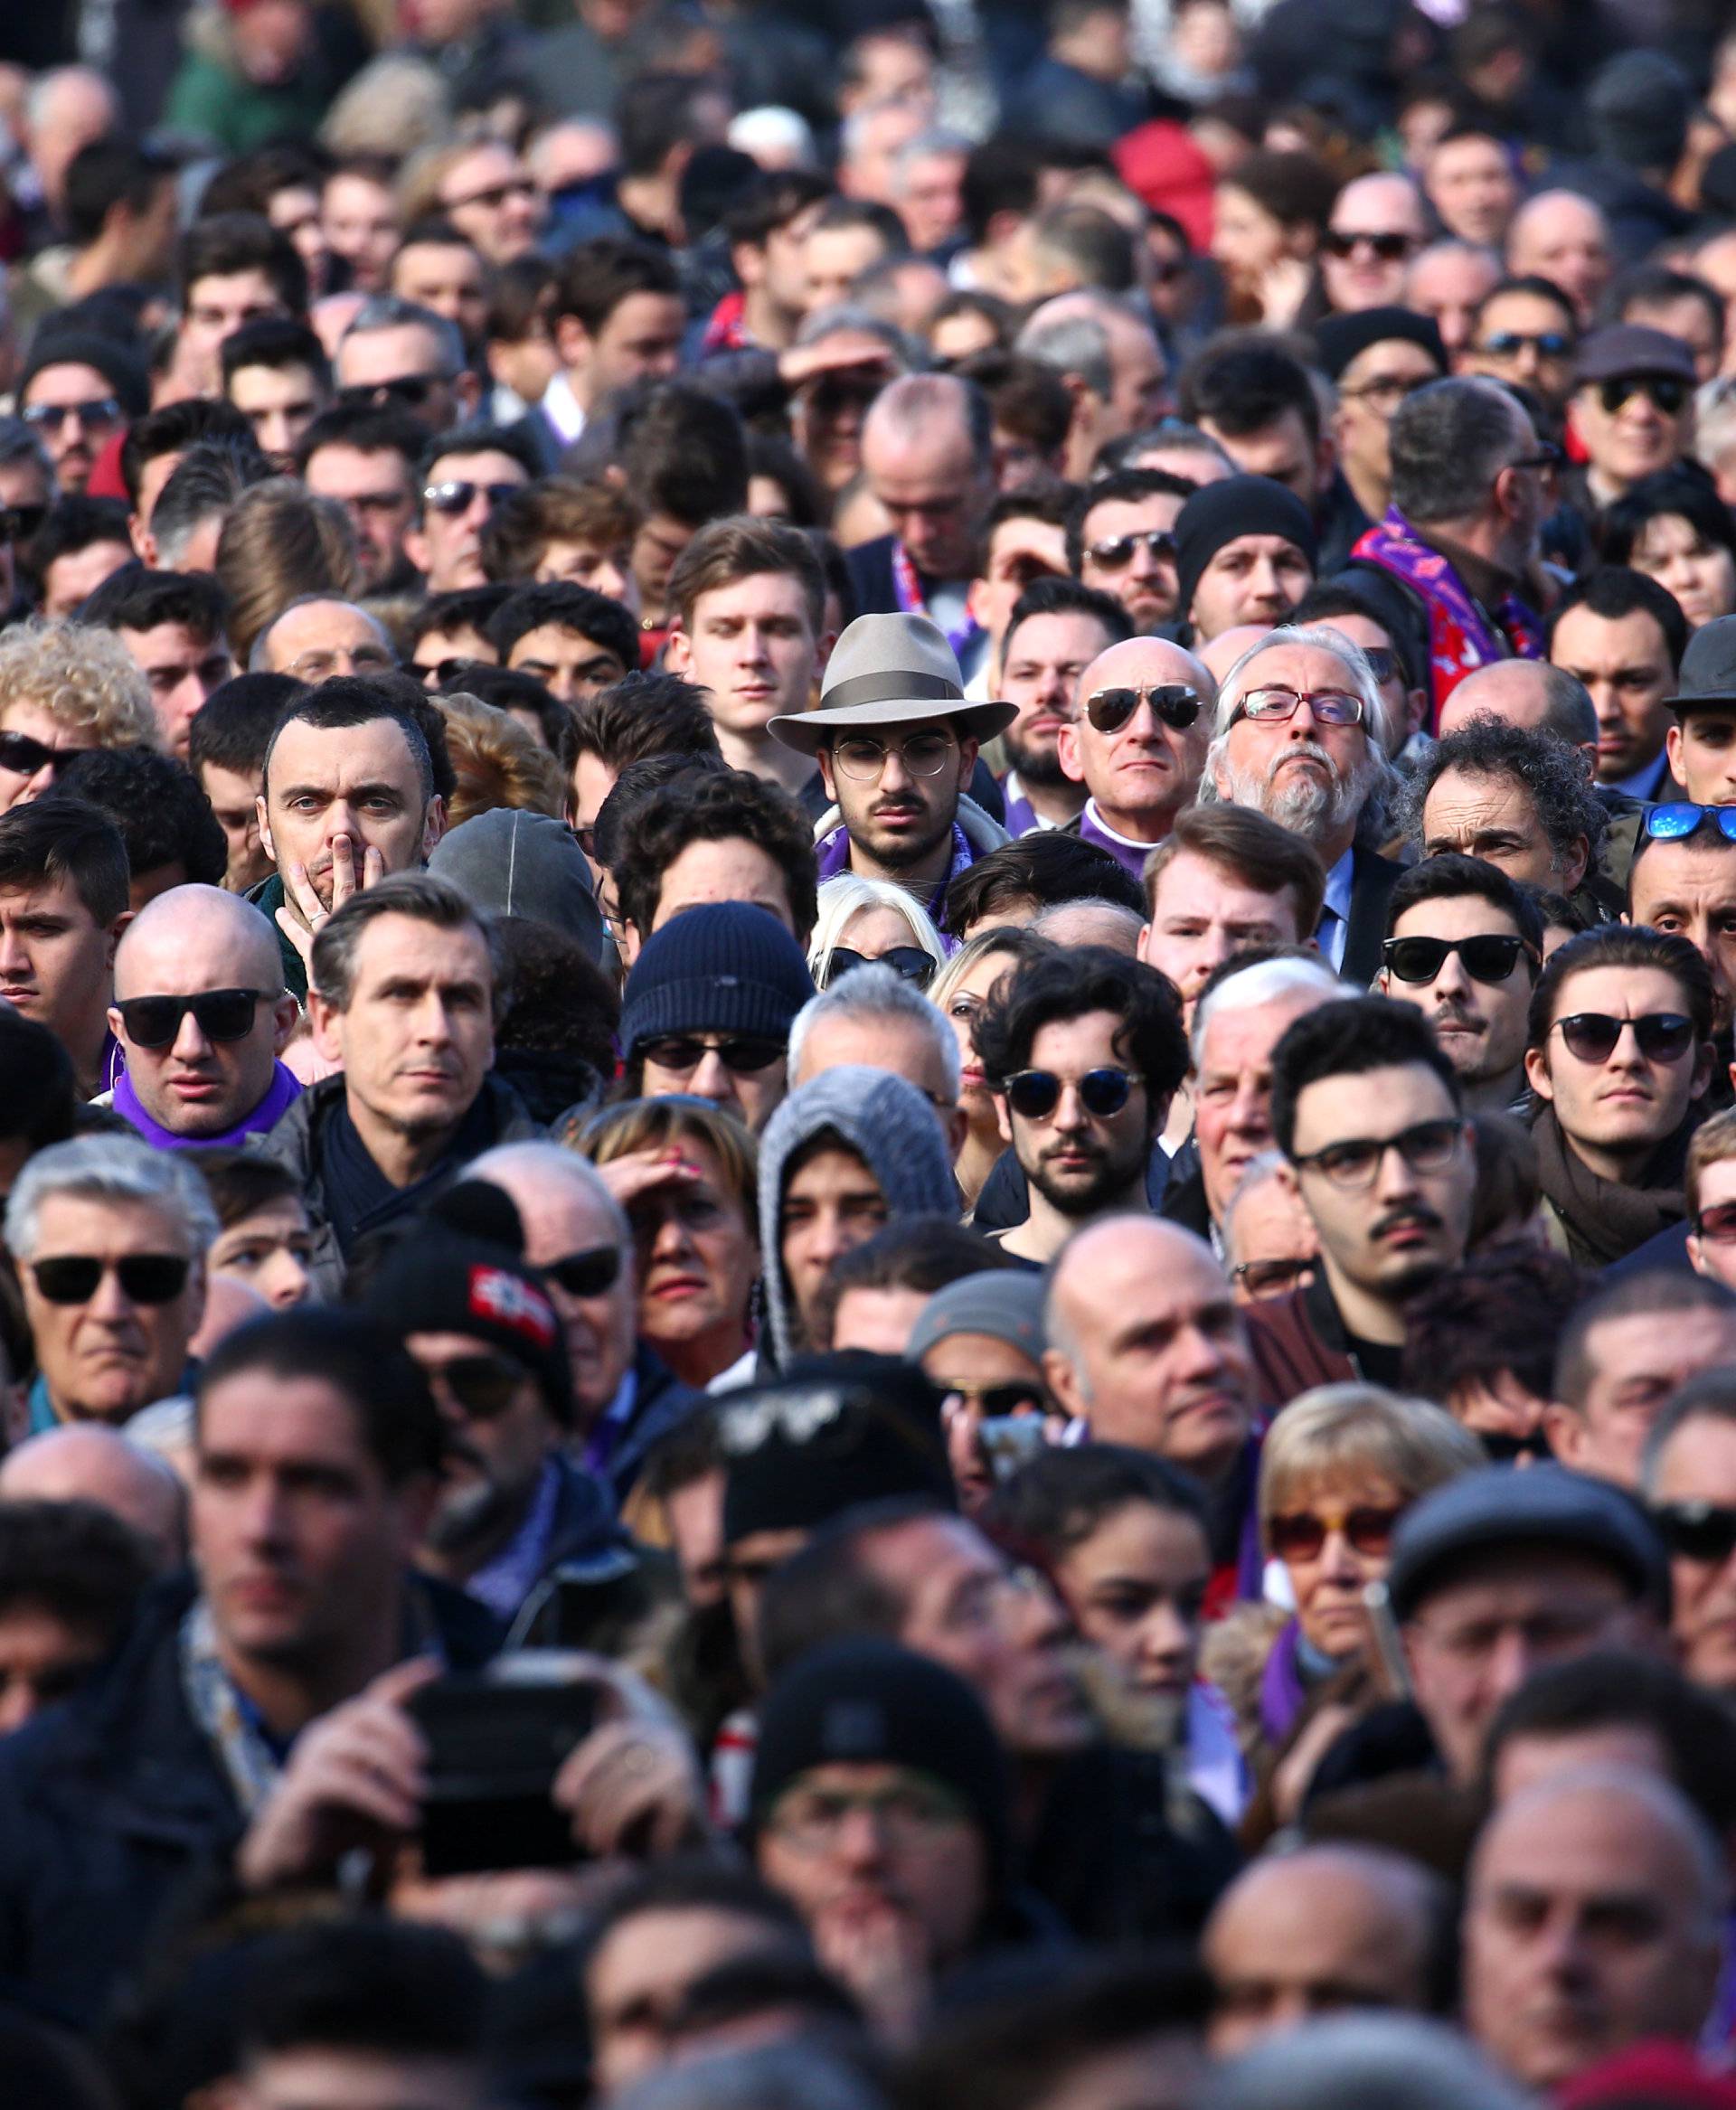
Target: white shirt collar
x,y
562,409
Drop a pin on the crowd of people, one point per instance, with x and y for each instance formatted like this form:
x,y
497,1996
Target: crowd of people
x,y
867,1109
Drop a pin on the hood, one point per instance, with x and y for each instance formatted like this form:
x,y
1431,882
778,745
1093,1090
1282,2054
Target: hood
x,y
891,1127
512,863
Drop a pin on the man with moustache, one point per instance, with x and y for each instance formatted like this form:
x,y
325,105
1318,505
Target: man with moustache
x,y
1057,628
1303,733
1136,740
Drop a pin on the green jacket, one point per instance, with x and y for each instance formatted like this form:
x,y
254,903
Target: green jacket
x,y
268,897
213,102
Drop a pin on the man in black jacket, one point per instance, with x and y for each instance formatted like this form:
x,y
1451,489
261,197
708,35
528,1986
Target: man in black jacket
x,y
240,1715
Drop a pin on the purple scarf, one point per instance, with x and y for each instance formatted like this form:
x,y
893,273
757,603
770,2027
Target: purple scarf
x,y
834,858
286,1088
1282,1690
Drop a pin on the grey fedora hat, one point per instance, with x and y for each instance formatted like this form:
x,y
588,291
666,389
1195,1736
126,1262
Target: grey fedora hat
x,y
891,670
1708,674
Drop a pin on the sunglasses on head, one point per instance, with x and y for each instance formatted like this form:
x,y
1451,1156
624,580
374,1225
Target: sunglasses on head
x,y
1546,343
1115,552
145,1278
744,1053
910,963
1592,1036
102,413
1665,392
1389,248
1301,1534
221,1014
1175,705
1697,1530
1489,958
24,755
482,1386
458,494
1035,1094
588,1273
410,391
1676,821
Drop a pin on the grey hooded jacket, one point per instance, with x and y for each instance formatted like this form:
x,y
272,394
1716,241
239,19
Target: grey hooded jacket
x,y
893,1129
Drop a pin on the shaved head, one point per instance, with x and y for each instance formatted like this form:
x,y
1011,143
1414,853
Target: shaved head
x,y
85,1462
193,939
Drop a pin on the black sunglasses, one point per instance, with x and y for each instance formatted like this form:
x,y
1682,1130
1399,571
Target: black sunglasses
x,y
145,1278
19,753
1666,391
1489,958
1035,1094
744,1053
1592,1036
1115,552
910,963
588,1273
458,494
101,414
1716,1225
410,391
1502,1449
1389,248
482,1386
1698,1531
1677,820
221,1014
1111,709
1546,343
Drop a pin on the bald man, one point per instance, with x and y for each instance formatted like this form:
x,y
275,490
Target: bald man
x,y
1531,694
202,1015
1312,1932
1136,741
321,636
86,1463
1146,1346
1595,1920
1562,236
1378,224
1221,652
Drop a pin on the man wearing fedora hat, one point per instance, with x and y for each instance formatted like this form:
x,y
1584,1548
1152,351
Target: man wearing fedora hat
x,y
1702,743
896,741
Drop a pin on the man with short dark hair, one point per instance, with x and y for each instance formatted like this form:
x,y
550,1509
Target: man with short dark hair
x,y
631,720
1465,947
1121,540
1623,634
173,624
724,836
119,208
1702,743
574,641
277,374
1369,1113
71,1574
347,799
394,352
178,1748
63,905
463,476
233,268
402,1003
1083,1051
367,460
618,318
1057,628
1255,398
1624,1353
226,748
80,543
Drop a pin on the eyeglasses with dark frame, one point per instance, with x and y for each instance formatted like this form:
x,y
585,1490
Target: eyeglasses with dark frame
x,y
1354,1166
1035,1094
1277,706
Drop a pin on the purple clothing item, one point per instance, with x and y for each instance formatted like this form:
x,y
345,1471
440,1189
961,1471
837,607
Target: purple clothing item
x,y
286,1088
1282,1690
1130,856
834,858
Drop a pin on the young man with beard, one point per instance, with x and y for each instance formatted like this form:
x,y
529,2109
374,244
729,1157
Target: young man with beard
x,y
1136,740
1303,734
1465,947
1369,1113
1057,628
896,742
1083,1049
513,1503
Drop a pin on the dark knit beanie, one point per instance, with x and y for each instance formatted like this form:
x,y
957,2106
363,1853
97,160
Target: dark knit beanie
x,y
440,1281
835,1430
1341,338
1236,505
116,364
1639,106
724,968
871,1702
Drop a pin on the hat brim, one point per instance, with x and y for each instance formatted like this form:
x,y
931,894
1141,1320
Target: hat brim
x,y
805,730
1707,699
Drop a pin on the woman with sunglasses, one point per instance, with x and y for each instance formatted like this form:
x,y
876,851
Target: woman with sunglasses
x,y
960,990
684,1170
65,688
1339,1468
1618,1054
862,919
1674,528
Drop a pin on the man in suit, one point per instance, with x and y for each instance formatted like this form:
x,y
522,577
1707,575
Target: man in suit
x,y
927,452
1303,736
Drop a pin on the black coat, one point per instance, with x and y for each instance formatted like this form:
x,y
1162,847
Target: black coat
x,y
114,1803
1371,880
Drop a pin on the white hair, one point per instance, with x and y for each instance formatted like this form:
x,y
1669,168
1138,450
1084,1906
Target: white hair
x,y
771,128
843,897
111,1168
1264,982
876,991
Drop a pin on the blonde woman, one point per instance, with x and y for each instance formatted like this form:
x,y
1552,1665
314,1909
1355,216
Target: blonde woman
x,y
64,689
863,919
1340,1466
960,990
